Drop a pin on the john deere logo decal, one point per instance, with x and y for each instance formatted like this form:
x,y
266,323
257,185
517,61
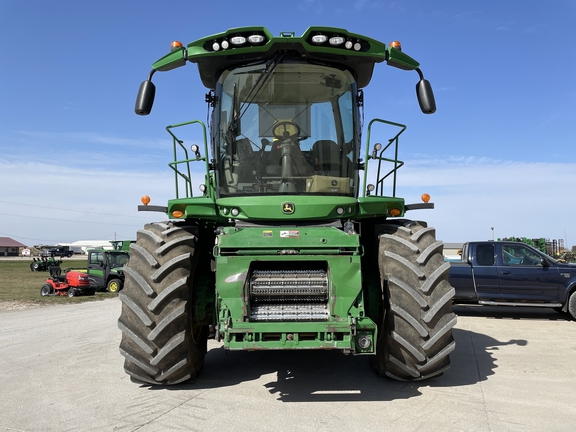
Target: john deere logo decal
x,y
288,208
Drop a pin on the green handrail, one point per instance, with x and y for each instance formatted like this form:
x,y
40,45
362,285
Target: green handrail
x,y
379,186
186,175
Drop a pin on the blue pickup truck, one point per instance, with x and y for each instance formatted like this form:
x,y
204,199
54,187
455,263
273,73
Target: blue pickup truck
x,y
513,274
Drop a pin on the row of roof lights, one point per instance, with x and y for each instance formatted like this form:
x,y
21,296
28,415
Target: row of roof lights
x,y
237,41
320,39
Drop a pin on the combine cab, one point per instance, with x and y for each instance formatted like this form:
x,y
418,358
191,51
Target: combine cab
x,y
296,238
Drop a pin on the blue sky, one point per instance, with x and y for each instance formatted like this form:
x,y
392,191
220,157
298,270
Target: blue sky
x,y
499,152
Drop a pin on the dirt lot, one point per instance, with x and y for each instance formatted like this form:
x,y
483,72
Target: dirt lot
x,y
513,370
18,305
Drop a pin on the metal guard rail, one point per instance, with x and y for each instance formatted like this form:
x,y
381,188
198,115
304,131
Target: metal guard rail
x,y
379,186
184,172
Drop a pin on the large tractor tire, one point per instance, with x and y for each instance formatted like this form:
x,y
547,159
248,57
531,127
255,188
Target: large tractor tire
x,y
160,343
416,320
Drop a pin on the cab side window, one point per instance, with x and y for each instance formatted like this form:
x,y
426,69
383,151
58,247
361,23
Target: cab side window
x,y
516,255
485,254
96,258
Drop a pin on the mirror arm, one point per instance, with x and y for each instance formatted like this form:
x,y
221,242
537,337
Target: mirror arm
x,y
417,70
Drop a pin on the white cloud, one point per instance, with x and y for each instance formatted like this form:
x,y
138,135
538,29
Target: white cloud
x,y
471,195
85,138
53,203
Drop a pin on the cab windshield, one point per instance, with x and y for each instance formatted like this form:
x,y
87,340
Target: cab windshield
x,y
286,129
118,259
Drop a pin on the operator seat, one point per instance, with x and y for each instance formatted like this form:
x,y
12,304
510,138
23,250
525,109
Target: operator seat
x,y
326,158
56,274
239,165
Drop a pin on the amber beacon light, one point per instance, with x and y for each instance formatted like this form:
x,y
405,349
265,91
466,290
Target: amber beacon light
x,y
175,45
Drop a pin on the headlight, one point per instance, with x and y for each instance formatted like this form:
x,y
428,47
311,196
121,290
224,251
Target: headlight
x,y
336,40
238,40
319,39
256,39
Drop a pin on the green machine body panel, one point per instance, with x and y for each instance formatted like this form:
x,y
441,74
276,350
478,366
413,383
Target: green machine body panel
x,y
261,270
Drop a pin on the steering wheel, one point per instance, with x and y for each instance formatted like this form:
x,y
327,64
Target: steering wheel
x,y
281,130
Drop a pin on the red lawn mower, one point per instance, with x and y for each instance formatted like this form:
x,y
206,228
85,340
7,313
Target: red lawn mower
x,y
72,284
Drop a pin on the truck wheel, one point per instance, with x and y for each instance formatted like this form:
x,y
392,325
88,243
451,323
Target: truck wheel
x,y
160,343
113,285
46,290
416,320
572,305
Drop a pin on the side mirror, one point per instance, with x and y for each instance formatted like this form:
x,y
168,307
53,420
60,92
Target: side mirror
x,y
425,96
544,262
145,98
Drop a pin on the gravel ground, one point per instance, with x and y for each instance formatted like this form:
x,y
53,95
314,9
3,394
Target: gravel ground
x,y
60,369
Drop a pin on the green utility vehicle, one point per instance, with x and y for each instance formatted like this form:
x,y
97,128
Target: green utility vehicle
x,y
106,269
284,247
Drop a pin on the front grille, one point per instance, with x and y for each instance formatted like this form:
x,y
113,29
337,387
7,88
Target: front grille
x,y
289,295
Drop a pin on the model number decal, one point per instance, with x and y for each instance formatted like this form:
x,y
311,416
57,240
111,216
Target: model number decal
x,y
289,234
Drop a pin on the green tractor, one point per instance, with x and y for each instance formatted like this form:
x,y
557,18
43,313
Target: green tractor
x,y
283,247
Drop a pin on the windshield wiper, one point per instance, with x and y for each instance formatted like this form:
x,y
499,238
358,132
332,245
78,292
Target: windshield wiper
x,y
260,82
